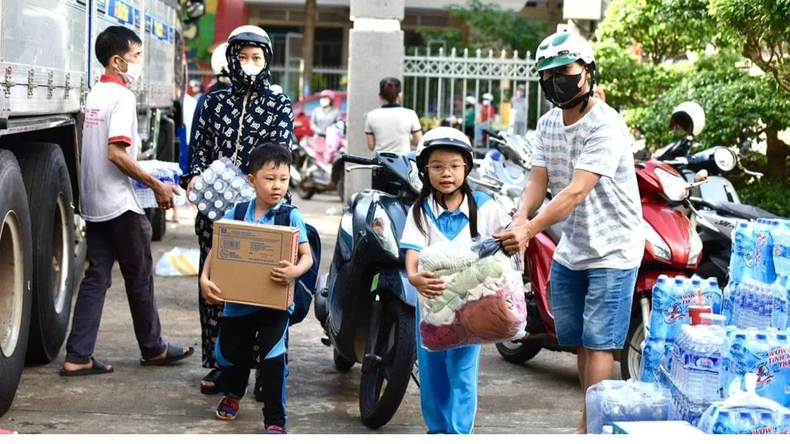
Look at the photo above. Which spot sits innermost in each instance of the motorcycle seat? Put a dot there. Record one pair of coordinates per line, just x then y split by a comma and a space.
742, 211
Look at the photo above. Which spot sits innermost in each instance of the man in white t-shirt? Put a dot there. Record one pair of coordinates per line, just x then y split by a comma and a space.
583, 155
117, 228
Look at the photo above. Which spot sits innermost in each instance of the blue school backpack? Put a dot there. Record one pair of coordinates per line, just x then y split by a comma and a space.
305, 284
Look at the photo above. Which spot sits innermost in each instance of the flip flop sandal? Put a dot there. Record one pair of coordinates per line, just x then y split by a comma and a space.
98, 368
227, 409
214, 376
174, 353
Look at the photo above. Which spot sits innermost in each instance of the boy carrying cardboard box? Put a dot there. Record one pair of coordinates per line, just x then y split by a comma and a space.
252, 314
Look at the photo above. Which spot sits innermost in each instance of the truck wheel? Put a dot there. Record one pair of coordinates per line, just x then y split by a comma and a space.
49, 195
166, 143
158, 223
16, 273
383, 386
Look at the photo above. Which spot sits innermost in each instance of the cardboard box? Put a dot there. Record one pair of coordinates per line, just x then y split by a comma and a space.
244, 255
656, 428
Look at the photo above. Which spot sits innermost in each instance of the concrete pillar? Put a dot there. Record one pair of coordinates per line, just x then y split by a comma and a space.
375, 51
308, 43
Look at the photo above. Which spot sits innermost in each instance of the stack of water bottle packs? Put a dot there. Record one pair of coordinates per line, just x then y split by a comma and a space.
724, 357
612, 401
166, 172
219, 187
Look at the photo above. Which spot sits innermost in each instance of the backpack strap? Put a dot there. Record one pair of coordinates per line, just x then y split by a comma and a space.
283, 215
240, 211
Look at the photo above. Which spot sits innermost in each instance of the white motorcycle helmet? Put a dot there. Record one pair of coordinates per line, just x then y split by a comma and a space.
219, 62
443, 137
690, 117
251, 33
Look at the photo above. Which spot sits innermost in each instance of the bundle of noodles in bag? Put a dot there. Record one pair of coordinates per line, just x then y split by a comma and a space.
483, 301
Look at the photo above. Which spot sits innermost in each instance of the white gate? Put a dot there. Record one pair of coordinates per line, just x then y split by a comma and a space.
436, 86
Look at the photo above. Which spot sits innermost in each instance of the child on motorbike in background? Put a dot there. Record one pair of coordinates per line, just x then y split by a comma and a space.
447, 210
242, 325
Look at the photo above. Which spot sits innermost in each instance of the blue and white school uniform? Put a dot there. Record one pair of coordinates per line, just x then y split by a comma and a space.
448, 379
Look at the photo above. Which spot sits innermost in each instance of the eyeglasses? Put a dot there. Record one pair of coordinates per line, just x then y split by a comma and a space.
438, 168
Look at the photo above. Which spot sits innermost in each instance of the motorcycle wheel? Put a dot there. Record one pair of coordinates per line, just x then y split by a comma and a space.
631, 356
383, 386
708, 269
517, 352
341, 364
304, 193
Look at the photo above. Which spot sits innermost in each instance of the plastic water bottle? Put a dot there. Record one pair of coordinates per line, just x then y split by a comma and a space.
781, 302
712, 294
202, 207
219, 186
208, 195
764, 259
213, 215
218, 167
198, 185
784, 426
193, 197
728, 300
228, 175
723, 424
742, 259
781, 251
209, 176
651, 359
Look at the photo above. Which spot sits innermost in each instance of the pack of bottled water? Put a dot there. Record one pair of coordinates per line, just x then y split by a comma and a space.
611, 401
219, 187
696, 362
681, 408
760, 250
672, 298
166, 172
763, 352
746, 412
753, 304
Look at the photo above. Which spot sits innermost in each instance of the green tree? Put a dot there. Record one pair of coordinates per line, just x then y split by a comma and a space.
663, 29
761, 29
491, 27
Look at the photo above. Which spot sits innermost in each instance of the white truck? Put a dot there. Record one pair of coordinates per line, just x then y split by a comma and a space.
47, 65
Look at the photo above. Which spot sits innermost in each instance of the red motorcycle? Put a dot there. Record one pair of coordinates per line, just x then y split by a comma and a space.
672, 247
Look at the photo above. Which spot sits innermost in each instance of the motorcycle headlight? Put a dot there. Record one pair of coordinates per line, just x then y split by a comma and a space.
660, 247
695, 247
674, 187
725, 159
414, 177
382, 226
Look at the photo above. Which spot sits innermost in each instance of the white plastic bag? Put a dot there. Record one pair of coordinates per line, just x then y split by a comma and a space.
179, 262
483, 301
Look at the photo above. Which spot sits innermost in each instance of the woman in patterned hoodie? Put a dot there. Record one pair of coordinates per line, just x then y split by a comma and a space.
232, 122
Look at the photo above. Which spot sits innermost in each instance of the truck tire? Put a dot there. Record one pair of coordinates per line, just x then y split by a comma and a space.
158, 221
166, 143
16, 273
49, 195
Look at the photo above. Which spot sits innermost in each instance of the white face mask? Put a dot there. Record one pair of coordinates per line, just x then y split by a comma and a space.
132, 74
251, 69
325, 102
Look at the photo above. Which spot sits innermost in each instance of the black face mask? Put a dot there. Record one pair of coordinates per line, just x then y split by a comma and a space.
561, 88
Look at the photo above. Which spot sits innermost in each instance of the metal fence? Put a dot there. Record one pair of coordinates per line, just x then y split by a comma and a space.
436, 85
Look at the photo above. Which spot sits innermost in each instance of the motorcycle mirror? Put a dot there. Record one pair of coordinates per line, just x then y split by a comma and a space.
701, 176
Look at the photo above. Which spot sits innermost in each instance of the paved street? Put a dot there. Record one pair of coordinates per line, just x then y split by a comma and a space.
539, 397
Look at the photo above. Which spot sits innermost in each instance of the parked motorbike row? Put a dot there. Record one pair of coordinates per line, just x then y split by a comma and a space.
367, 307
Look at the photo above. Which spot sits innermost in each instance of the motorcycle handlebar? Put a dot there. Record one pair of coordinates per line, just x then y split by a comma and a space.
359, 160
490, 133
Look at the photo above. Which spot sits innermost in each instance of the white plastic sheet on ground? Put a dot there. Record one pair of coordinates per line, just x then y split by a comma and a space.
179, 262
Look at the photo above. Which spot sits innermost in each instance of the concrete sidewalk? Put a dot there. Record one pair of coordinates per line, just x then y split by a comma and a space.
539, 397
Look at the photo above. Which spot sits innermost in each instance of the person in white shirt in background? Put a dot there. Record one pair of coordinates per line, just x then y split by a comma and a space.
391, 128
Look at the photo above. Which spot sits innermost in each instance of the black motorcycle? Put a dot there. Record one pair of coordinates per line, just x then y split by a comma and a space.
366, 304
